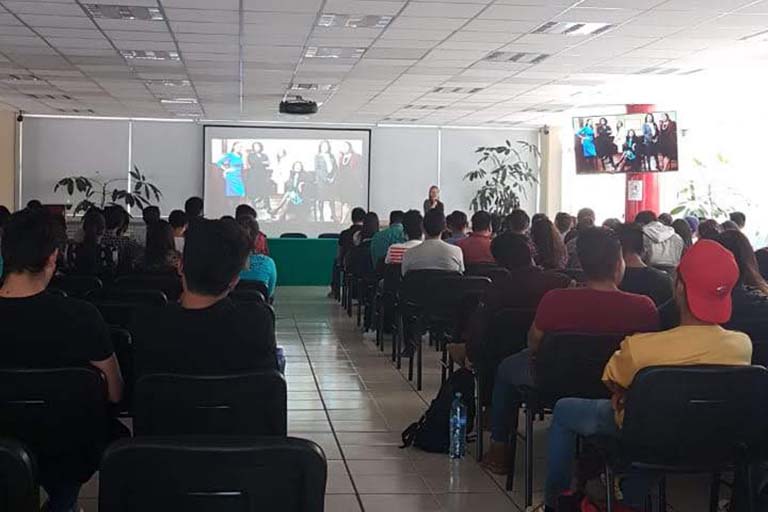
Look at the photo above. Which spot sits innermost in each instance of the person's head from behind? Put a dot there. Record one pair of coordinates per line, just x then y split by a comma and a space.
517, 222
549, 245
245, 210
116, 219
434, 224
600, 255
707, 275
739, 218
94, 226
563, 222
370, 225
585, 218
34, 204
215, 251
30, 244
150, 214
396, 217
744, 254
159, 242
709, 230
631, 238
481, 223
612, 224
5, 214
666, 219
358, 215
457, 222
193, 207
537, 217
412, 224
645, 217
178, 221
683, 229
511, 251
252, 229
693, 223
729, 225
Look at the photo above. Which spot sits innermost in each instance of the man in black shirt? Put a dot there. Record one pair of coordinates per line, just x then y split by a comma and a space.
42, 330
207, 333
345, 244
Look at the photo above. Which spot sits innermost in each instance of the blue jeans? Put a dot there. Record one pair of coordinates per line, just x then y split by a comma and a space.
513, 372
574, 417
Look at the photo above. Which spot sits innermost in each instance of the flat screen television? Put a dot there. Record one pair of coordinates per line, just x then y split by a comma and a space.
626, 143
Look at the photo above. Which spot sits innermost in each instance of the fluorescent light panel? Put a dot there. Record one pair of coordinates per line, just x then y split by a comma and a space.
353, 21
124, 12
328, 52
573, 28
518, 57
150, 55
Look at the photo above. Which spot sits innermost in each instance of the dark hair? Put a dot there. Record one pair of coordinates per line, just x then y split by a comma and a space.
251, 228
537, 217
709, 229
159, 243
481, 221
412, 224
497, 223
632, 238
34, 204
749, 272
94, 226
358, 215
683, 229
177, 219
370, 225
114, 217
563, 222
193, 207
517, 221
150, 214
511, 250
585, 218
612, 224
729, 225
29, 238
396, 217
456, 220
550, 249
215, 252
599, 251
739, 218
645, 217
666, 219
434, 223
245, 210
5, 214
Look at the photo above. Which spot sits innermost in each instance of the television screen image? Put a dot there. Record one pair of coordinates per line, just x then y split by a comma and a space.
626, 143
301, 180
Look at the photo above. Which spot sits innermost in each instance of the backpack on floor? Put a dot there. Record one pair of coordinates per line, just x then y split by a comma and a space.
431, 432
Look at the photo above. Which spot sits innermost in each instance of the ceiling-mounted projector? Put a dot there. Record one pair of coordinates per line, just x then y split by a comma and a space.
298, 106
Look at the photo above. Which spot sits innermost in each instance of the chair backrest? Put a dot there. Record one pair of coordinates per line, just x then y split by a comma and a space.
123, 344
359, 261
696, 413
451, 295
216, 475
393, 277
169, 284
244, 296
76, 286
19, 490
507, 332
415, 287
259, 286
59, 414
490, 270
232, 405
119, 306
572, 364
293, 235
329, 235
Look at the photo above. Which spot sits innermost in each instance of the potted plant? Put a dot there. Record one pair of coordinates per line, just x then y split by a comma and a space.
505, 173
100, 193
709, 196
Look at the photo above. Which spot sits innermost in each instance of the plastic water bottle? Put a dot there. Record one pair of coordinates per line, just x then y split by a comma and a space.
280, 354
458, 442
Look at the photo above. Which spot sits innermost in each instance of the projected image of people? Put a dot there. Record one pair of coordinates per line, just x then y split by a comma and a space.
626, 143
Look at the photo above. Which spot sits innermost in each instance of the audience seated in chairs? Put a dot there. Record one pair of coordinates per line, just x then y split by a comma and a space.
413, 229
706, 277
394, 234
160, 254
598, 308
193, 208
178, 221
518, 222
207, 333
43, 330
476, 247
550, 250
585, 219
128, 251
91, 258
260, 244
563, 223
663, 246
260, 267
456, 221
433, 253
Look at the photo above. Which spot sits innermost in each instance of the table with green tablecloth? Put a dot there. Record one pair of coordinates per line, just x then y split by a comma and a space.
303, 261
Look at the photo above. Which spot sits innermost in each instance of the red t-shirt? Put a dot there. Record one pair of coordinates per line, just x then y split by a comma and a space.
476, 249
590, 311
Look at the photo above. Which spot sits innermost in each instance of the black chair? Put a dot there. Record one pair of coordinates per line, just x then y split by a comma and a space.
227, 405
293, 235
19, 491
169, 284
216, 475
694, 419
120, 306
490, 270
76, 286
329, 235
123, 345
61, 417
245, 295
387, 304
259, 286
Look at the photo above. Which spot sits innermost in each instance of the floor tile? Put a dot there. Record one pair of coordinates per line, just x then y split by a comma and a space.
399, 503
391, 484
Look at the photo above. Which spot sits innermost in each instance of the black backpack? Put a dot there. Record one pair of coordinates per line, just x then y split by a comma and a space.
431, 432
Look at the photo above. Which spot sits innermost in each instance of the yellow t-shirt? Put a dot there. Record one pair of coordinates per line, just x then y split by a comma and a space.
685, 345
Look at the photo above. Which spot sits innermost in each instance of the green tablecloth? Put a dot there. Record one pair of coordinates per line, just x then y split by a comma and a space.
303, 261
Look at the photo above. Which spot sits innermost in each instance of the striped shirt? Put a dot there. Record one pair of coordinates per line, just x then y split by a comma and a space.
396, 251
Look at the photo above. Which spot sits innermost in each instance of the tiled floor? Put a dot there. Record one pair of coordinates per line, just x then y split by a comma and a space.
347, 397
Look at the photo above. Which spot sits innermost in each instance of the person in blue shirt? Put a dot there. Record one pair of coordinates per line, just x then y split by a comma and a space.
587, 137
382, 240
260, 267
231, 165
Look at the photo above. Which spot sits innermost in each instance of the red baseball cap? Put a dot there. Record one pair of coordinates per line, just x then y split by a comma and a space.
710, 273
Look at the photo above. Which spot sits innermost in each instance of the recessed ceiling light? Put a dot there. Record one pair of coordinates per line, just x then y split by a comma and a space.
328, 52
573, 28
312, 87
353, 21
150, 55
46, 97
124, 12
518, 57
20, 77
457, 90
401, 119
76, 110
425, 107
168, 83
179, 101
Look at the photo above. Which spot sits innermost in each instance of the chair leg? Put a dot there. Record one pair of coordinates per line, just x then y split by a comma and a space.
609, 487
443, 363
410, 360
663, 494
529, 416
479, 417
714, 492
750, 488
400, 341
514, 421
419, 366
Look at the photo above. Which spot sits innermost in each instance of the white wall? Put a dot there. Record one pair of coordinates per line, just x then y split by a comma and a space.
405, 161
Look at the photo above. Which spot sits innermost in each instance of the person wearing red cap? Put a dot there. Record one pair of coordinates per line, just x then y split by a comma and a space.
706, 277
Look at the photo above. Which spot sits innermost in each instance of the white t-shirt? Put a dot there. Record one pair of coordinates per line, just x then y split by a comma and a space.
434, 255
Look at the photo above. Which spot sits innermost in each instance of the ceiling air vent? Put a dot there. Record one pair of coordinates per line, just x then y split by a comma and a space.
124, 12
457, 90
353, 21
517, 57
573, 28
150, 55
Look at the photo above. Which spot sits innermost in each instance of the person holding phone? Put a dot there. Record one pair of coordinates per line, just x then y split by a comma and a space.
433, 201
